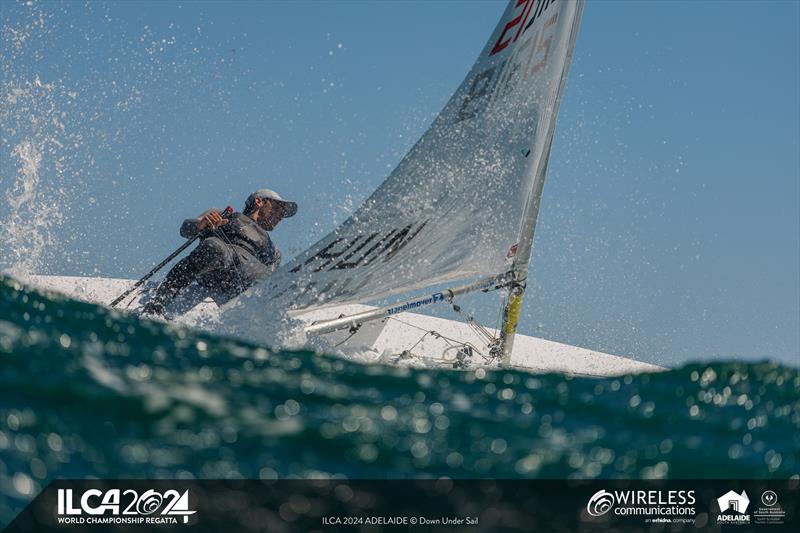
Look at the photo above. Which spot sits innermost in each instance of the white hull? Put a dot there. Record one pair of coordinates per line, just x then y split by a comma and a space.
405, 338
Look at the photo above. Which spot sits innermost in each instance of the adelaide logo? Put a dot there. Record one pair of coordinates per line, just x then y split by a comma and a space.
735, 502
600, 503
733, 508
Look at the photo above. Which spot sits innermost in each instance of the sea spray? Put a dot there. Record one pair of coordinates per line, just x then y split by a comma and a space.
32, 212
40, 153
267, 324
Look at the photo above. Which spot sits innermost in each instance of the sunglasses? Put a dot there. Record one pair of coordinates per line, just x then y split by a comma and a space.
276, 205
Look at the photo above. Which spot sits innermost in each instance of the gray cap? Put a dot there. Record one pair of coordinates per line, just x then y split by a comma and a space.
290, 208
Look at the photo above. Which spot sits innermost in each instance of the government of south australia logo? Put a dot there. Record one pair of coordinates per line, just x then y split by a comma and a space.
769, 498
600, 503
770, 511
733, 508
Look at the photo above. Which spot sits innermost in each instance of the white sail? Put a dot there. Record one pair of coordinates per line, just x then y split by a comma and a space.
465, 197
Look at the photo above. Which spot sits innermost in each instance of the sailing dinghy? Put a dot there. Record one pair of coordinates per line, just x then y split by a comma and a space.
458, 212
405, 338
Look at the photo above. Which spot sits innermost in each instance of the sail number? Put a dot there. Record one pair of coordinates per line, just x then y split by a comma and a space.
528, 7
342, 253
529, 57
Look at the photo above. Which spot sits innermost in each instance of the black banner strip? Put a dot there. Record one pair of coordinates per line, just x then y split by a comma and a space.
464, 506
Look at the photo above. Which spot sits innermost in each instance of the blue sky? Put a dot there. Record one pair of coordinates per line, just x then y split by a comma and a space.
669, 227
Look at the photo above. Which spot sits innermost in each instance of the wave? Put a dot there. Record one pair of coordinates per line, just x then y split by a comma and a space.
90, 392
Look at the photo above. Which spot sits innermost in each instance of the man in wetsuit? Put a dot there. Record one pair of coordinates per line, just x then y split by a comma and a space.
234, 252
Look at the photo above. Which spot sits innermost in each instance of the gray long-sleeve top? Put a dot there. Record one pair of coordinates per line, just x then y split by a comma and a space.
243, 233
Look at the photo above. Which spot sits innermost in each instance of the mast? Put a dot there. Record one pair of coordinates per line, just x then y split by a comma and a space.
519, 268
521, 263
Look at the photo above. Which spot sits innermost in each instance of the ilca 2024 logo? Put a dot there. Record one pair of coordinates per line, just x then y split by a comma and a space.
116, 506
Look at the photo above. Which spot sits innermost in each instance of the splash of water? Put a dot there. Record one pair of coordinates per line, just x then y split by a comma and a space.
25, 233
37, 146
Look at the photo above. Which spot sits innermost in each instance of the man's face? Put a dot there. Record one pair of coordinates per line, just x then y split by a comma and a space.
269, 213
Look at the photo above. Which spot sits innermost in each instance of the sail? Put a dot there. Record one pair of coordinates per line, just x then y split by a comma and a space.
465, 197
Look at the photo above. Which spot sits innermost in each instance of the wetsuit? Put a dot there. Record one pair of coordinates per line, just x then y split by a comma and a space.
226, 262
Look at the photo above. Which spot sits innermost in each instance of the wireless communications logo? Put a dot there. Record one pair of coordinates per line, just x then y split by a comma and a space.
600, 503
116, 506
655, 506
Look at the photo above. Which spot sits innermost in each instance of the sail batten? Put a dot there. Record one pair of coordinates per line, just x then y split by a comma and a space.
463, 202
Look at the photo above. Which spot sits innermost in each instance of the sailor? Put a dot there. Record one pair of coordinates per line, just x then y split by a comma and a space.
234, 252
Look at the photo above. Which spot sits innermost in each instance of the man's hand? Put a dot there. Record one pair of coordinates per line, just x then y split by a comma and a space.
211, 220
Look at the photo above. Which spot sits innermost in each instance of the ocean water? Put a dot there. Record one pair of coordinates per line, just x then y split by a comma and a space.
89, 392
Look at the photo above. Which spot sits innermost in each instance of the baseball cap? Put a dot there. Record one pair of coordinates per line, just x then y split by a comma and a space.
290, 208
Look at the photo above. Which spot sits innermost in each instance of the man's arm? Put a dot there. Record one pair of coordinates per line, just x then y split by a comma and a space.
208, 218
